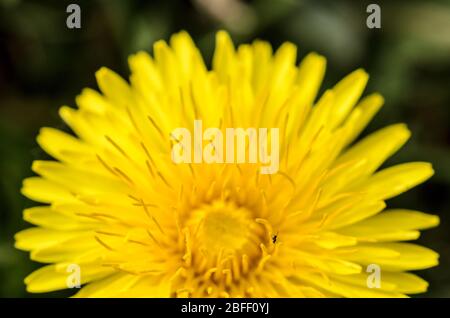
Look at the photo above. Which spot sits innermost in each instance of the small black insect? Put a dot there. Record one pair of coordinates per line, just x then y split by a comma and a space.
274, 238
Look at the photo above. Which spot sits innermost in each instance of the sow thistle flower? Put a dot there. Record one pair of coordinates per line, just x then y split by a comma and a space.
139, 225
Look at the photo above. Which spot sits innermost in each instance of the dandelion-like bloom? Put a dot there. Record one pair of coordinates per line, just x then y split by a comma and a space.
139, 225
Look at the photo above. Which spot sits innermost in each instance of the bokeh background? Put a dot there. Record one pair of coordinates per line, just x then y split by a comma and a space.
44, 65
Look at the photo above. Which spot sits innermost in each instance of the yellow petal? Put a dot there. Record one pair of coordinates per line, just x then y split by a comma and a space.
310, 75
392, 181
57, 276
114, 87
83, 247
361, 116
92, 101
353, 214
392, 256
189, 57
36, 237
45, 191
46, 279
79, 181
405, 282
283, 66
167, 65
144, 74
391, 225
75, 120
345, 289
124, 285
330, 240
376, 147
62, 146
148, 287
262, 64
48, 217
347, 93
389, 281
328, 263
224, 56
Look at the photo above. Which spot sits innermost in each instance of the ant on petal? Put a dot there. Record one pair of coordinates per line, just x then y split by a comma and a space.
274, 238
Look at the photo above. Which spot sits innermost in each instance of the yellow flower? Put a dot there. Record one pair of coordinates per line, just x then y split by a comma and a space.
139, 225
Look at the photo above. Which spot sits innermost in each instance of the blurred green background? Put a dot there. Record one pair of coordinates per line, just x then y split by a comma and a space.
44, 65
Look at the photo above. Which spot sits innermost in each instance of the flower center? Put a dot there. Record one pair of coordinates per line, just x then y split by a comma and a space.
225, 244
221, 227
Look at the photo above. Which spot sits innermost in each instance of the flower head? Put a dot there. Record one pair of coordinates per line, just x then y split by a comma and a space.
140, 225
